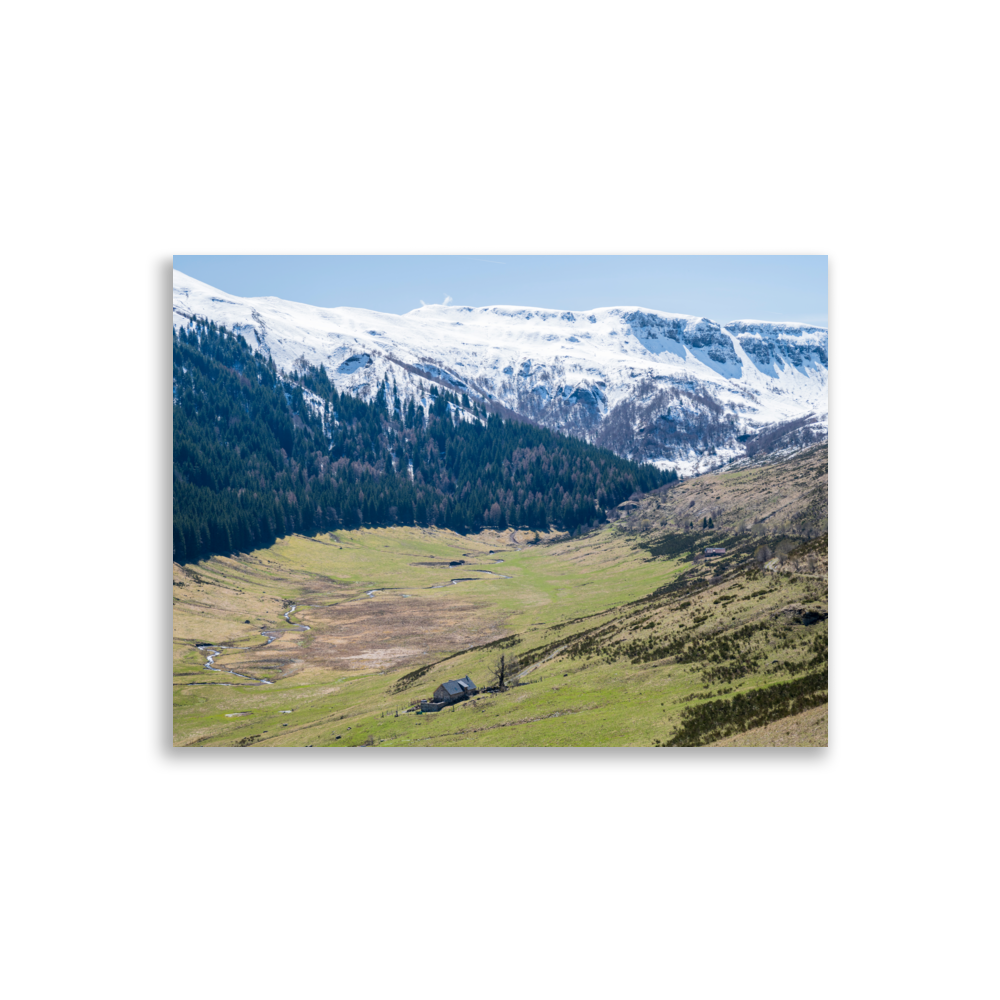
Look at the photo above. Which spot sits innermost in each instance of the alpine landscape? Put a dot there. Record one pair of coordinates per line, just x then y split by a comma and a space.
496, 526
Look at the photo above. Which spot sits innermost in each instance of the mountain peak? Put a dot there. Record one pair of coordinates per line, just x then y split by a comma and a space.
683, 391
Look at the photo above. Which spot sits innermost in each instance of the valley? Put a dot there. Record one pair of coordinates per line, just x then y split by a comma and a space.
626, 633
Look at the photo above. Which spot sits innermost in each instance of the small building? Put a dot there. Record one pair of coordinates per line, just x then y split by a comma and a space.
449, 693
715, 552
452, 691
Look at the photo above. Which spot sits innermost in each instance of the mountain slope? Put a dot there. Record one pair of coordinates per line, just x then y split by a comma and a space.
681, 391
258, 455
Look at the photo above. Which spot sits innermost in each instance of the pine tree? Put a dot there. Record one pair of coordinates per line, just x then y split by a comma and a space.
252, 460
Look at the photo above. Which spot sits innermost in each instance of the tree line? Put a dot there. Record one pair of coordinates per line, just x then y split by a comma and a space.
259, 453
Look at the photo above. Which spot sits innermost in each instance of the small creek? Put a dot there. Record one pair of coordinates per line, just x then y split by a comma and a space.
291, 611
271, 634
217, 651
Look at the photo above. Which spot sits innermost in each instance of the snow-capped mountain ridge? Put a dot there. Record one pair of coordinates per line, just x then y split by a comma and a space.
676, 389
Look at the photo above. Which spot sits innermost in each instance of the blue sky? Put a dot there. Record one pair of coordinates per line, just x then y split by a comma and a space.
723, 288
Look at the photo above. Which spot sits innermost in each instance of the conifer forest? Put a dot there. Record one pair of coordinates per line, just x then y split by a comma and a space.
260, 453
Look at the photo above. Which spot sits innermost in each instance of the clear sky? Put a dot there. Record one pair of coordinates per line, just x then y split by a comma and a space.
723, 288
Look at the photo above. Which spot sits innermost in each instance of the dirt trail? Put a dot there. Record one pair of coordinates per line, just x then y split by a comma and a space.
534, 666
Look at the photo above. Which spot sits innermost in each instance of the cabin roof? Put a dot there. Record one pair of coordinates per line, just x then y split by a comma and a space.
462, 686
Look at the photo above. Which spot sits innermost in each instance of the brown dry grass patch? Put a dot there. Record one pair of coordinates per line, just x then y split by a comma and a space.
810, 729
381, 634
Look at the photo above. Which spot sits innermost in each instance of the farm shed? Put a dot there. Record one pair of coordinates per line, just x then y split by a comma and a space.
715, 552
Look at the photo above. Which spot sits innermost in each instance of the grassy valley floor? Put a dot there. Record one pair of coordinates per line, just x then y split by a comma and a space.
626, 636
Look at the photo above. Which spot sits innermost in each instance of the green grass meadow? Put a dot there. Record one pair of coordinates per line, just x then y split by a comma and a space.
602, 593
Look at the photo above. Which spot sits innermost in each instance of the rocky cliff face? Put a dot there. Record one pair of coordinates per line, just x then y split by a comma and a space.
660, 333
767, 344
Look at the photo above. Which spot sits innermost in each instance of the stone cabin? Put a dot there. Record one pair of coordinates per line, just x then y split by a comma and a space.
449, 693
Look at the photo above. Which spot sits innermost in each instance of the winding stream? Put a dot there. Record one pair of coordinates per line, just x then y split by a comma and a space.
217, 651
271, 634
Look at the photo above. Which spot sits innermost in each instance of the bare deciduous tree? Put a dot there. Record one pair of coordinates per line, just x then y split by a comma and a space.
504, 672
